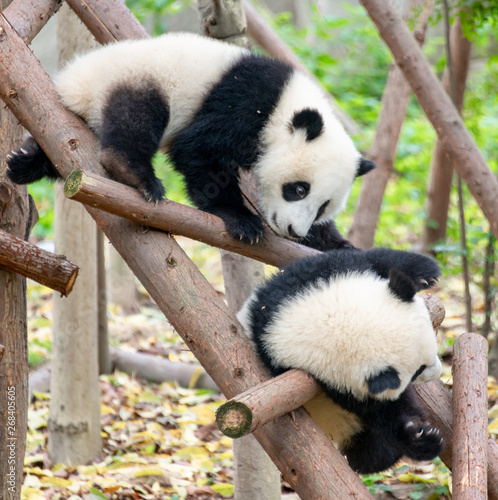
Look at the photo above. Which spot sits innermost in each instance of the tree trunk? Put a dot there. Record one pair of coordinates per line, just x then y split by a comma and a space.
103, 331
437, 105
14, 369
255, 475
74, 423
383, 151
121, 286
439, 190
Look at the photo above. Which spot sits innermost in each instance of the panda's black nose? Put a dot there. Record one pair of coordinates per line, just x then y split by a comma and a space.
291, 232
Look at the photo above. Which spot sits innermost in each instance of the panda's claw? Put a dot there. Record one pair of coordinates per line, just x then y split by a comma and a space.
9, 157
23, 151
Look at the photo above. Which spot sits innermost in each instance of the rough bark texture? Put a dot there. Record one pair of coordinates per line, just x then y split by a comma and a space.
175, 218
14, 219
49, 269
438, 107
439, 190
255, 475
437, 398
28, 17
383, 151
94, 14
313, 467
267, 38
74, 423
470, 417
265, 402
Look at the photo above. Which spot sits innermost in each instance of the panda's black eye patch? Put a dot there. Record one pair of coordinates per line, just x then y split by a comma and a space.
321, 210
418, 372
295, 191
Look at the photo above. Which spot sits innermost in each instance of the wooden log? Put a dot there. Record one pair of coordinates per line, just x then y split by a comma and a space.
266, 402
46, 268
437, 105
122, 26
28, 17
267, 38
176, 218
280, 395
313, 467
470, 417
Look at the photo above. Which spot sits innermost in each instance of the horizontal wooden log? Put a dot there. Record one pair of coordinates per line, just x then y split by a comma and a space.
280, 395
28, 17
158, 370
46, 268
470, 417
176, 218
265, 402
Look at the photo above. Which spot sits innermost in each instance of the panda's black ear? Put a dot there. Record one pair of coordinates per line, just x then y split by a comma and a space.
310, 120
402, 286
386, 379
364, 167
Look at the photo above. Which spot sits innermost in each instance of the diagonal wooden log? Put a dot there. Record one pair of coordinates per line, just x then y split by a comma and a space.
313, 467
49, 269
175, 218
437, 105
28, 17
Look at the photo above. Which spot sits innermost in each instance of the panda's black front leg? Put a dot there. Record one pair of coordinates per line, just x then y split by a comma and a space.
325, 237
218, 193
423, 270
133, 122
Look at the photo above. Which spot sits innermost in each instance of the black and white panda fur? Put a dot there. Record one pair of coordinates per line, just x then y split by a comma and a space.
352, 320
214, 108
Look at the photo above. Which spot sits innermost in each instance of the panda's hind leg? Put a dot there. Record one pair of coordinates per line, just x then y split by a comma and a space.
133, 122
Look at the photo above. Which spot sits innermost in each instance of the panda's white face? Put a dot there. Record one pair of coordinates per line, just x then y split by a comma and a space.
308, 163
364, 331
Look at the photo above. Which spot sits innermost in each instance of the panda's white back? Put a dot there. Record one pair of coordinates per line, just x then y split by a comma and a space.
185, 65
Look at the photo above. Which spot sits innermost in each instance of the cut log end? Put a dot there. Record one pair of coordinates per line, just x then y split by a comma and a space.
234, 419
70, 283
73, 183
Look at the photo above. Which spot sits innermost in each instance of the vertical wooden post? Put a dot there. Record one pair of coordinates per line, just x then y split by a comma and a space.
14, 370
470, 417
74, 423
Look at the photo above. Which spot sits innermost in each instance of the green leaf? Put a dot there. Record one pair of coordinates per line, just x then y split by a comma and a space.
97, 494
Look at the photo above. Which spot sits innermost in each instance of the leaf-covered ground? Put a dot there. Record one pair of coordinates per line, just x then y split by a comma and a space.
161, 442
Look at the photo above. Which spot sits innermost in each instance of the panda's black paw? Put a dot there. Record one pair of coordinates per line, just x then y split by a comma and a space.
247, 228
154, 191
422, 442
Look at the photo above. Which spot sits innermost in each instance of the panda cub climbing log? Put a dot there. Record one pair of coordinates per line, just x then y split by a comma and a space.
214, 108
352, 320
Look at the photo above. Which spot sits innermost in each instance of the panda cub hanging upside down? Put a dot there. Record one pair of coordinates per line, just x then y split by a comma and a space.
352, 320
214, 108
